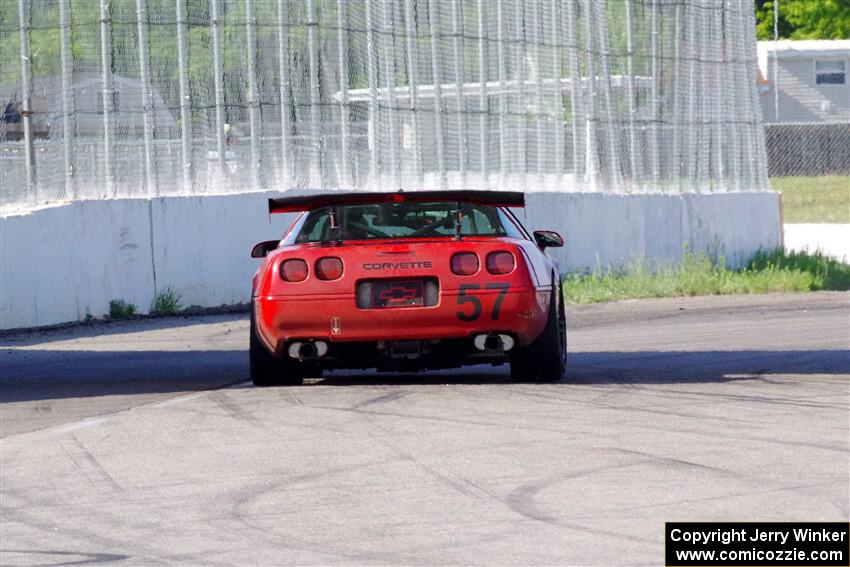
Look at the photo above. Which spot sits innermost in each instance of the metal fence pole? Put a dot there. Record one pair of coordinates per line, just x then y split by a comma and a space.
147, 106
68, 121
690, 129
483, 102
106, 84
413, 75
315, 98
26, 96
504, 166
522, 107
433, 14
592, 166
731, 104
253, 94
389, 81
675, 162
614, 174
372, 78
344, 122
218, 77
538, 87
558, 111
185, 94
458, 56
285, 93
653, 129
576, 91
759, 157
717, 95
630, 93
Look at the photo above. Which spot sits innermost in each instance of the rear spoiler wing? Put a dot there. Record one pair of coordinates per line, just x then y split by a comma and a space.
310, 202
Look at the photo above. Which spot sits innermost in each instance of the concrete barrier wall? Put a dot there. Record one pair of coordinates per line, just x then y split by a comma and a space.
59, 264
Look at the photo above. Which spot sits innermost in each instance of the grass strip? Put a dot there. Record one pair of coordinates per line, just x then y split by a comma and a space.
698, 274
824, 199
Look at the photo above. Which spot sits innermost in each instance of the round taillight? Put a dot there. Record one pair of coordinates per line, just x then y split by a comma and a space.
465, 263
329, 268
293, 270
500, 262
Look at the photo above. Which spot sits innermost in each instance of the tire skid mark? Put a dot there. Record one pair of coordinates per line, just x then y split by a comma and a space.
382, 399
517, 505
19, 515
808, 444
672, 461
447, 420
89, 466
608, 512
281, 536
522, 501
233, 409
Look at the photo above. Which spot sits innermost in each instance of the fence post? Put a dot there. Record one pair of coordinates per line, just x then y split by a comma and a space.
458, 56
483, 102
558, 112
185, 94
68, 121
253, 110
106, 94
615, 177
433, 14
344, 126
576, 89
317, 159
504, 165
389, 80
592, 166
150, 171
521, 122
653, 130
675, 162
285, 93
26, 102
630, 93
218, 77
412, 63
538, 88
372, 78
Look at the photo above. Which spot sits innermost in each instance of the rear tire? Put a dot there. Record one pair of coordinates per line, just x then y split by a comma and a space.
544, 360
265, 369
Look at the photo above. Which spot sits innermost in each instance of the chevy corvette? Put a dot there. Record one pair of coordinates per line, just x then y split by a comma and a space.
406, 281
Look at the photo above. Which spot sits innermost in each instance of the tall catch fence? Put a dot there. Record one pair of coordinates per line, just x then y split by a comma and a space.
140, 98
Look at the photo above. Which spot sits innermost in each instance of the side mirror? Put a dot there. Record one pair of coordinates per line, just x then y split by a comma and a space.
262, 249
548, 239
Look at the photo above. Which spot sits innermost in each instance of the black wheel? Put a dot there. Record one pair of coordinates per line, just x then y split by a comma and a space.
265, 369
544, 360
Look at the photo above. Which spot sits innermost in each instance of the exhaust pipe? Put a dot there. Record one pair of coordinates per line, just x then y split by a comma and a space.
308, 350
494, 343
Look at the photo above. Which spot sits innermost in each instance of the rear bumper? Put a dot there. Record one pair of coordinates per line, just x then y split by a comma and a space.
520, 312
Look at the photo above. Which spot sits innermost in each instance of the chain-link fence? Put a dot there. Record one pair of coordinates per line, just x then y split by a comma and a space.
808, 149
127, 98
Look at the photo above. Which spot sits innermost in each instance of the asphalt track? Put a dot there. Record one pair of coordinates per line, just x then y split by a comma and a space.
141, 444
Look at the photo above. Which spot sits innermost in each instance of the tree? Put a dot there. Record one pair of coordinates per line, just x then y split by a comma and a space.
804, 19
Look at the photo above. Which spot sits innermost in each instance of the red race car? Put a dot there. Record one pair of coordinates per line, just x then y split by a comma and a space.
406, 281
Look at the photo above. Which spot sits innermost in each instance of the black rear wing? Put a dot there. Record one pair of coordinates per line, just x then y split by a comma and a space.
310, 202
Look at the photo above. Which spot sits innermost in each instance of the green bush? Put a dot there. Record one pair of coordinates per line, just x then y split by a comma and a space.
120, 309
167, 302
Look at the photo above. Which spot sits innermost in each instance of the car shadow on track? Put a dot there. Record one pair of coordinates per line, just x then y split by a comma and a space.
27, 375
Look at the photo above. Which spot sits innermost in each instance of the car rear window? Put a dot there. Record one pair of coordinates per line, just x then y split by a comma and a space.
402, 220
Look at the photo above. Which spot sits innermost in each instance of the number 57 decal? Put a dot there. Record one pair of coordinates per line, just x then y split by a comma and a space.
465, 297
